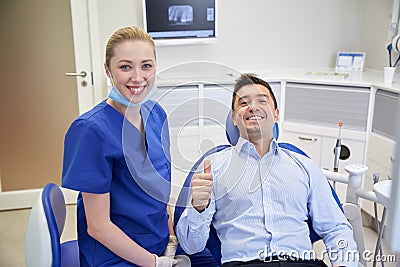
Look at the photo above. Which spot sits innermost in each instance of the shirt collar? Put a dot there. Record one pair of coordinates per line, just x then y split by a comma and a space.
244, 145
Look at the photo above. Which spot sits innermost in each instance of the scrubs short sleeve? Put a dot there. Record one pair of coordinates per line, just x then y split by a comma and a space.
87, 165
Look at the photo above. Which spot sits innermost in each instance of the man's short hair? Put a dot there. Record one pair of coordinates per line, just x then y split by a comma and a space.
246, 79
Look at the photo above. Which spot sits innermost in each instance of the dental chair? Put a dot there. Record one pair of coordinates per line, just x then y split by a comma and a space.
211, 255
45, 226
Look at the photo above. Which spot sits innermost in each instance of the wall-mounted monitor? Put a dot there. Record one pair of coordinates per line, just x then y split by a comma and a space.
180, 22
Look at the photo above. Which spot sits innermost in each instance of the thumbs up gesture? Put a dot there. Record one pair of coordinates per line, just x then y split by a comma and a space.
202, 187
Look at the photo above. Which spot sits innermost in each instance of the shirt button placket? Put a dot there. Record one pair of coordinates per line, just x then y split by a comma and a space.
265, 191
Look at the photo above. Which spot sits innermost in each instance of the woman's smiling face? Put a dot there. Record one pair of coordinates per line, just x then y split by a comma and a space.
133, 69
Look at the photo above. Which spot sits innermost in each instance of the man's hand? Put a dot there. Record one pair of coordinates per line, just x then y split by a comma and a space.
202, 187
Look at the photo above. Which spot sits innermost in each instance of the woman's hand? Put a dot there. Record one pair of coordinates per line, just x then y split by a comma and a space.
164, 261
171, 247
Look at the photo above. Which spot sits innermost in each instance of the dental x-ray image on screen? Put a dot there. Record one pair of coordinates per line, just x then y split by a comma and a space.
180, 15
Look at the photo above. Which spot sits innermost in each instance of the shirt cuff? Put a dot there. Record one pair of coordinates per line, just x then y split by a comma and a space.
198, 219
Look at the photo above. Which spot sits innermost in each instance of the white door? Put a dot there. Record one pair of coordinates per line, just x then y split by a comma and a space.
41, 40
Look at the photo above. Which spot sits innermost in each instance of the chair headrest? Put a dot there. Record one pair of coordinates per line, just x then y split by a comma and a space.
232, 131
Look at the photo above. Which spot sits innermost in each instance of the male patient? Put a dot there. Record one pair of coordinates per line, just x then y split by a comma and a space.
259, 196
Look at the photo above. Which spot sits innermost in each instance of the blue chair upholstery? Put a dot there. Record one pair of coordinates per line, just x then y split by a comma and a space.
45, 226
213, 245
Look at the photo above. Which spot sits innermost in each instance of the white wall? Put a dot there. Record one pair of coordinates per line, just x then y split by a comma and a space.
260, 34
374, 33
269, 34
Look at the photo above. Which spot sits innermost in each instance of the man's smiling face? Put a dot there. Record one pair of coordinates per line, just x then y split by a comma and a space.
254, 111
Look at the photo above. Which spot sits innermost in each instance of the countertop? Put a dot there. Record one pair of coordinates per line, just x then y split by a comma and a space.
366, 78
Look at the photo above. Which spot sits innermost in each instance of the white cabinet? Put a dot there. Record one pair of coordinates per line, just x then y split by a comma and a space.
354, 152
380, 159
320, 148
181, 104
327, 105
356, 149
309, 143
310, 121
381, 143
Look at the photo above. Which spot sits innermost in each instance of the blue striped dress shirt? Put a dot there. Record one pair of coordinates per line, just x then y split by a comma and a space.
260, 207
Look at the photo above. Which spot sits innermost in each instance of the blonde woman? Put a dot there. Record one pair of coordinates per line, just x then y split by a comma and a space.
117, 156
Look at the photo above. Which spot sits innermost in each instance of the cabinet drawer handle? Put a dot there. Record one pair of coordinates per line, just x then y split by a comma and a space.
391, 159
389, 177
309, 139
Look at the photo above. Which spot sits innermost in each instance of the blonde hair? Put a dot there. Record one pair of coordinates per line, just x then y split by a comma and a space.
124, 34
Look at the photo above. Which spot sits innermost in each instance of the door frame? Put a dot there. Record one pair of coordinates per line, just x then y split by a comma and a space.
83, 52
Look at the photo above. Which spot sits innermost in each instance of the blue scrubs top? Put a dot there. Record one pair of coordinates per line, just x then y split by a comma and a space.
104, 153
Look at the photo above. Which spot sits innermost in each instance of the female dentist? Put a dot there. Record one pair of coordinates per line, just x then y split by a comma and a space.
117, 156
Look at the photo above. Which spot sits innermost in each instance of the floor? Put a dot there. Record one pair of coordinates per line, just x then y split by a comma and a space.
12, 235
13, 225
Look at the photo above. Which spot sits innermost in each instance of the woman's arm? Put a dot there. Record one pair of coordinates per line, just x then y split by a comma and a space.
173, 241
100, 227
170, 223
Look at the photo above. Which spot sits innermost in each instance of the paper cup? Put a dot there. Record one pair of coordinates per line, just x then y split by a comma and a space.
388, 74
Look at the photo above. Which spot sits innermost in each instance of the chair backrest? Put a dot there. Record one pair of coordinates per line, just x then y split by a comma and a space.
45, 226
232, 134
